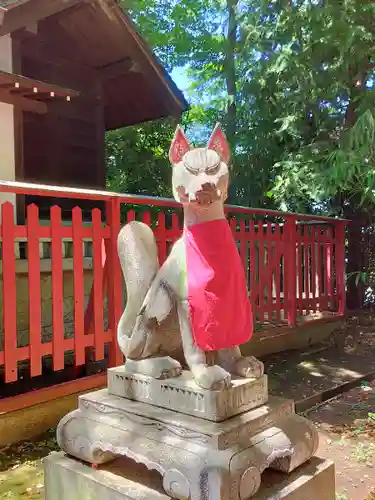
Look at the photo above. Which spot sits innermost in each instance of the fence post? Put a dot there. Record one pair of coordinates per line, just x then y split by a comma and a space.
114, 279
340, 265
290, 256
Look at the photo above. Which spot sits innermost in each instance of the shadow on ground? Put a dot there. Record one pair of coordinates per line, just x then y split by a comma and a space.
347, 436
303, 374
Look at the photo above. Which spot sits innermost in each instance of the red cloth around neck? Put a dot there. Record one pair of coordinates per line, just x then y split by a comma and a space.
219, 306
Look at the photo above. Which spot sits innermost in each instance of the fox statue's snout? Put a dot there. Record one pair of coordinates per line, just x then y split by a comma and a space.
204, 192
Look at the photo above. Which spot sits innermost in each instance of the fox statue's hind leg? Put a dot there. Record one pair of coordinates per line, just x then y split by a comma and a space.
232, 360
148, 304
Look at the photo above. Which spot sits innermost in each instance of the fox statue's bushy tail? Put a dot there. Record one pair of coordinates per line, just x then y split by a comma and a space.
146, 299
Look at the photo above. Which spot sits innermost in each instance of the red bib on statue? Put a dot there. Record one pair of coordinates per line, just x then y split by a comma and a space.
219, 306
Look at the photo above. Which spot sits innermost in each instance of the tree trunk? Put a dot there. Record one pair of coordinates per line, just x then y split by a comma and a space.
356, 258
230, 72
230, 80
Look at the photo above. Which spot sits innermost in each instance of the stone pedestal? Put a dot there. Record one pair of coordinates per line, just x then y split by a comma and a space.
184, 434
181, 394
69, 479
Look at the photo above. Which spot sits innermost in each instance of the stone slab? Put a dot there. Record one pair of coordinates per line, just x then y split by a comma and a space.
183, 395
70, 479
158, 423
314, 480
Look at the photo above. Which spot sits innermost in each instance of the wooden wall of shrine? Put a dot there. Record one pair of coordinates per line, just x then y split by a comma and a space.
91, 50
64, 146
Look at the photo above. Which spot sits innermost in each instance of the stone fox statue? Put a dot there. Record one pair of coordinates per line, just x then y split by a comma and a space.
202, 278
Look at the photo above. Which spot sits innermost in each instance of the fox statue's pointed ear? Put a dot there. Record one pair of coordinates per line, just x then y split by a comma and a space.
219, 143
180, 145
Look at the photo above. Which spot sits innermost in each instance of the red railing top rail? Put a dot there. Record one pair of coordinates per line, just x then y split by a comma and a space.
25, 188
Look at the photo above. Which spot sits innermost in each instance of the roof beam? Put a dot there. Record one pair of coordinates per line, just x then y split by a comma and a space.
25, 14
113, 70
30, 95
3, 11
19, 83
32, 28
25, 104
26, 32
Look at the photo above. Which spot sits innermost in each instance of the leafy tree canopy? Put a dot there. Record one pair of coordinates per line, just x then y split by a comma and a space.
292, 82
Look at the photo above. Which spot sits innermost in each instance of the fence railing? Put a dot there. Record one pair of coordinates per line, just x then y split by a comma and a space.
293, 264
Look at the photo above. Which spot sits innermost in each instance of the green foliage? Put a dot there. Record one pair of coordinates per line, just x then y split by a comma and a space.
315, 71
302, 122
137, 159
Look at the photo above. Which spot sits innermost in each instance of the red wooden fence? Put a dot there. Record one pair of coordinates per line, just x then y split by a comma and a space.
293, 266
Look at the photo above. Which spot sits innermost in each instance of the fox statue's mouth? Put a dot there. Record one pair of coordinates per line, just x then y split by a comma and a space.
207, 194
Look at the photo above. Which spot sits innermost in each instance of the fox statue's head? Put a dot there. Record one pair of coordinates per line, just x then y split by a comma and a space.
200, 175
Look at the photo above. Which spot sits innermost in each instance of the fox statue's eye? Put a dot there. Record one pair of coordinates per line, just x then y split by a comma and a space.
192, 170
213, 169
201, 160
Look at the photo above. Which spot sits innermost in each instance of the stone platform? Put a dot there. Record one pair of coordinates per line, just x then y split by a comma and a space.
159, 424
70, 479
183, 395
197, 459
198, 444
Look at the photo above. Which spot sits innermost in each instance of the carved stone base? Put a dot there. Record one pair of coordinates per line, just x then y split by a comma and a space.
69, 479
183, 395
197, 459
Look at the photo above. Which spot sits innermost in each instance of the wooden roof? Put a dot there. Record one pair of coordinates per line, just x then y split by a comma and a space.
98, 34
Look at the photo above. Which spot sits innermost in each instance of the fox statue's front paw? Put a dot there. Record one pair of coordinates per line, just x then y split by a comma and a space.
248, 367
213, 378
160, 368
